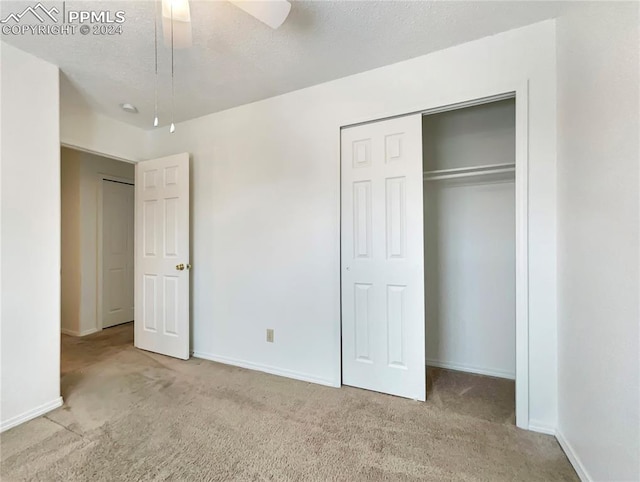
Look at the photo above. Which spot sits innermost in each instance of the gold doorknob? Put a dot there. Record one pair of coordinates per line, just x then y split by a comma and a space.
180, 267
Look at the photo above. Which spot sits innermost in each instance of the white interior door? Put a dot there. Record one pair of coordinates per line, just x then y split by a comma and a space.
162, 256
383, 343
117, 253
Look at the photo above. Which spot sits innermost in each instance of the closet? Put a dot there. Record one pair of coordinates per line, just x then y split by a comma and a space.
428, 248
469, 238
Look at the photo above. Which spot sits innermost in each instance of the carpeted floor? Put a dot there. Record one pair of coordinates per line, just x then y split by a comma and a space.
133, 415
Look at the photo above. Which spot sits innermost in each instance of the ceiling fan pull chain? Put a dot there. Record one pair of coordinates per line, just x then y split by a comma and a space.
172, 129
155, 48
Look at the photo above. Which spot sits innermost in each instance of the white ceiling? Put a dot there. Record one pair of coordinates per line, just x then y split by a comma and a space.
236, 60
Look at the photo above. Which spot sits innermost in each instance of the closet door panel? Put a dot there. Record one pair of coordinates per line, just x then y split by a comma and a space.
383, 258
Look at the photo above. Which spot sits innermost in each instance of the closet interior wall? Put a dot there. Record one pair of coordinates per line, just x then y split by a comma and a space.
469, 209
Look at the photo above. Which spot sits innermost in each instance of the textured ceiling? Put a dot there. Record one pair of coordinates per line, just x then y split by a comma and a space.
235, 59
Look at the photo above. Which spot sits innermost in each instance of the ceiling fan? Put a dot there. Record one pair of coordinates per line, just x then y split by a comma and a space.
270, 12
176, 28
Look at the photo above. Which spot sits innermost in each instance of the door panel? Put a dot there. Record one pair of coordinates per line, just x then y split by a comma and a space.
162, 262
383, 345
117, 253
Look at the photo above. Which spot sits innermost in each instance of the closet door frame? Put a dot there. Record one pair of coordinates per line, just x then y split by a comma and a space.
477, 96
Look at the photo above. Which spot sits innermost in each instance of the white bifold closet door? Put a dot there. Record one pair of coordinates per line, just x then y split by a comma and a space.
382, 259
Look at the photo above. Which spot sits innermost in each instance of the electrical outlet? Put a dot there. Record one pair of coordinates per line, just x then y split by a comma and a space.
270, 335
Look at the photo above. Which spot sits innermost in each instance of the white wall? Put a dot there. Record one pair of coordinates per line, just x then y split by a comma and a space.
82, 296
30, 227
470, 275
86, 130
598, 259
265, 221
470, 241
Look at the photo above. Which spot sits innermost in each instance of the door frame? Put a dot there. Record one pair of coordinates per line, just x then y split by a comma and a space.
518, 90
100, 178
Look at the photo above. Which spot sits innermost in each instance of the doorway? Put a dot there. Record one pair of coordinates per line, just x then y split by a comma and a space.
108, 226
96, 259
115, 237
433, 243
96, 193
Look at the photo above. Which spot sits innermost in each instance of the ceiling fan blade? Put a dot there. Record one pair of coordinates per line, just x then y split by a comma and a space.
271, 12
181, 23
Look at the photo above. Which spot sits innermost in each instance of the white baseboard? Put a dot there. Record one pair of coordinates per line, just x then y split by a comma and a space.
536, 426
573, 458
266, 369
90, 331
30, 414
470, 369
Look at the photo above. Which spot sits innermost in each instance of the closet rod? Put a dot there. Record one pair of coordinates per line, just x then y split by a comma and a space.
468, 171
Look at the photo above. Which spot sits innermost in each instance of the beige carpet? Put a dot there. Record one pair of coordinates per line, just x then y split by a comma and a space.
132, 415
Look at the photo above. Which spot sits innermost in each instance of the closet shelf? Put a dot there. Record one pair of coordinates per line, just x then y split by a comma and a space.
468, 171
